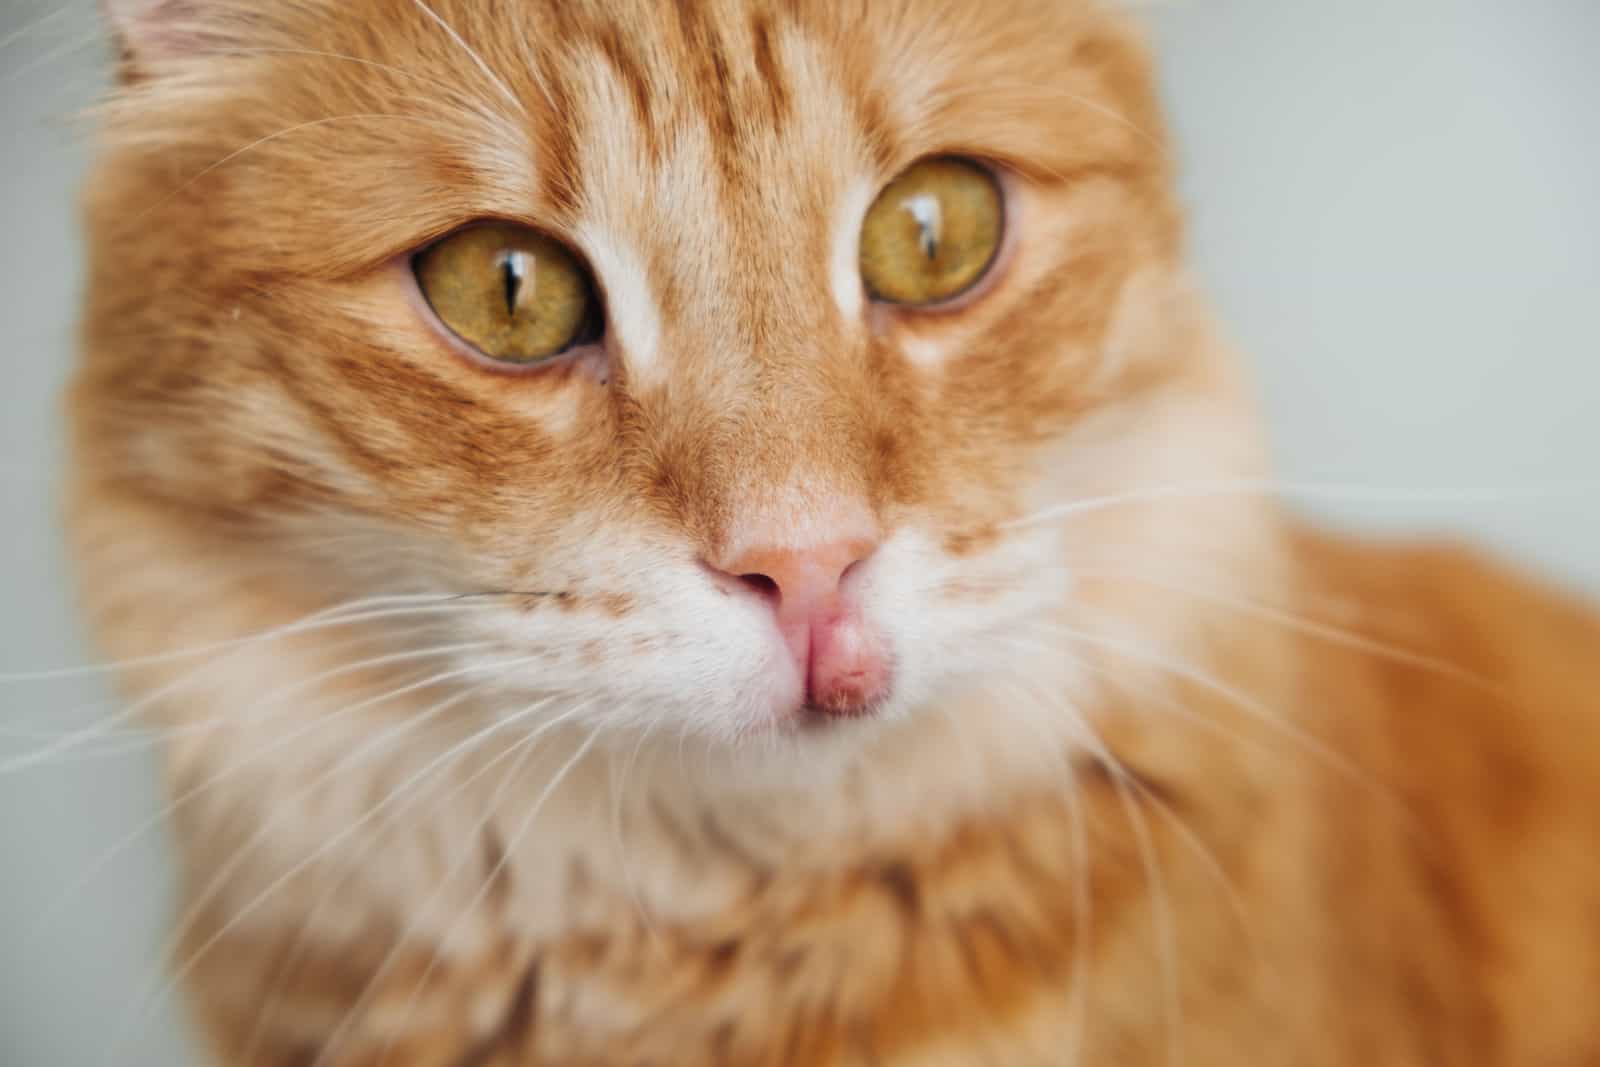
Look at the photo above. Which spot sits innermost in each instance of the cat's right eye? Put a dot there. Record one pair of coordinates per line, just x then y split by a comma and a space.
516, 295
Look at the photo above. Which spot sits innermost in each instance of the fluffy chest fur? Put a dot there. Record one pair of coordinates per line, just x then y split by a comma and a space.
788, 669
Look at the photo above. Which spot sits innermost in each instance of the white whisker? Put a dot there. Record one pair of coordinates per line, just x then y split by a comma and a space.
344, 763
1162, 918
299, 685
115, 736
261, 897
269, 138
1082, 912
413, 787
467, 909
1323, 631
310, 622
472, 53
1234, 695
628, 881
27, 29
1249, 487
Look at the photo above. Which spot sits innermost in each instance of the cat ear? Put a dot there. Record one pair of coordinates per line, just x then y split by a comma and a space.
153, 31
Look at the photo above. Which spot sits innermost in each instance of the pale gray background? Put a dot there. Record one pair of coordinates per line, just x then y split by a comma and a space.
1394, 207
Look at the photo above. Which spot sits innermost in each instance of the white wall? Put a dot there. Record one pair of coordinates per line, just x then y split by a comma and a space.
1395, 209
77, 935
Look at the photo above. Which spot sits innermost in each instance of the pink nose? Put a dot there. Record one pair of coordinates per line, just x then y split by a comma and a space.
843, 663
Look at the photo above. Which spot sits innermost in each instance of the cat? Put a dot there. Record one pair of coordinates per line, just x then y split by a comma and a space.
722, 533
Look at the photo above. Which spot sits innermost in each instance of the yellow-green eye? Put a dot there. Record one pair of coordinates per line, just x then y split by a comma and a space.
932, 232
514, 294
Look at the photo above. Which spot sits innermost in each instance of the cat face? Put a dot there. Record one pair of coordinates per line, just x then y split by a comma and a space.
753, 497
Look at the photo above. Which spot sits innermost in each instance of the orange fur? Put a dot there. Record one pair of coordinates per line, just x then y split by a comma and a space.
1166, 778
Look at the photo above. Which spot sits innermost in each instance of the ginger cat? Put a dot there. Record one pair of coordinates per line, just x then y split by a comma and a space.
720, 533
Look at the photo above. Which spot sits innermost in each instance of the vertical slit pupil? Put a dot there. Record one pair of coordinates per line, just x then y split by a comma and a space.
513, 276
928, 213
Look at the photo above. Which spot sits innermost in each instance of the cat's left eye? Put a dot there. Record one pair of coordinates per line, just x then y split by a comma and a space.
516, 295
933, 233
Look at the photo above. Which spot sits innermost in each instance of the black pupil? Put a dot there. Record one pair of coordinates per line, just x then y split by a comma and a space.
513, 275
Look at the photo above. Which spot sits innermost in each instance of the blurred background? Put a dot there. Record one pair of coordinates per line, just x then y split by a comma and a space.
1394, 206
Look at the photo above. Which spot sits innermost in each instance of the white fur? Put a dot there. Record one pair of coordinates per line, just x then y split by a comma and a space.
844, 270
630, 307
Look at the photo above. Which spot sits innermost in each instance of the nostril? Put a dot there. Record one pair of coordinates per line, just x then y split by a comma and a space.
733, 581
762, 584
796, 580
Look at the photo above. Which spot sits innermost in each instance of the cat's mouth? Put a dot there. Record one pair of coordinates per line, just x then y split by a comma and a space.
816, 716
845, 684
840, 673
848, 674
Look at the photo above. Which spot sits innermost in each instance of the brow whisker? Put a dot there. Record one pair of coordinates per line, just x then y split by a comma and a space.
267, 139
473, 54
